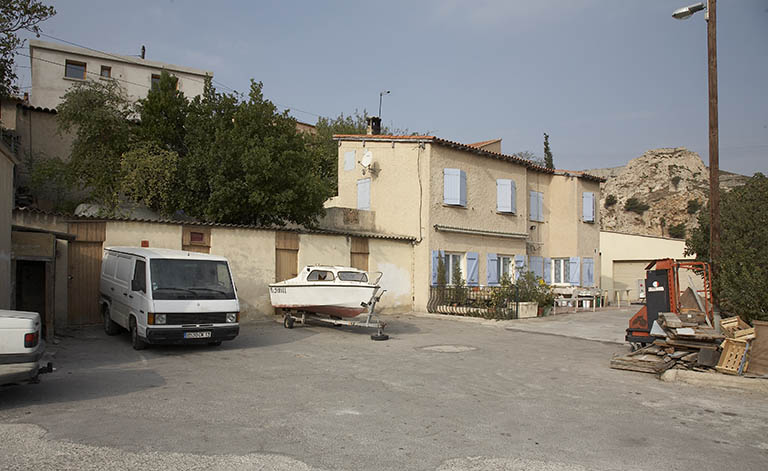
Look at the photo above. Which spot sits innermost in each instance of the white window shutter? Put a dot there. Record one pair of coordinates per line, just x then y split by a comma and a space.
462, 188
364, 194
451, 186
504, 195
588, 206
349, 160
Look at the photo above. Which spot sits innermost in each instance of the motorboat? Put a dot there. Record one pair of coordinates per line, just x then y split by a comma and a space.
334, 291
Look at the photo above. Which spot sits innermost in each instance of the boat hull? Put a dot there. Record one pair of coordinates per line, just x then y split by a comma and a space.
331, 299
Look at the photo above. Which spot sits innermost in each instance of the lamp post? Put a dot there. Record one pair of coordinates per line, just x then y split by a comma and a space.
714, 170
381, 95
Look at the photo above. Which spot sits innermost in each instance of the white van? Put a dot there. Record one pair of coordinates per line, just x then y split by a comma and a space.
168, 296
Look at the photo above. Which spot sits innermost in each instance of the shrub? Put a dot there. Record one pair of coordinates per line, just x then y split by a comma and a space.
610, 200
677, 231
693, 206
636, 206
675, 180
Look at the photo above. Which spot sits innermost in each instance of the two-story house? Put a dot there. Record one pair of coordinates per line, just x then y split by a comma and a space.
489, 212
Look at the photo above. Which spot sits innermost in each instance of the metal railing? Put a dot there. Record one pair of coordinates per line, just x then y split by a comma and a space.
474, 301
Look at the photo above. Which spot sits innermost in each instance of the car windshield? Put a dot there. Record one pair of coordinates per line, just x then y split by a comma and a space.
353, 276
190, 279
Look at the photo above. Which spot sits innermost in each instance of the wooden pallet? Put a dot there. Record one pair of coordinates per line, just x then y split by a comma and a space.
730, 325
731, 358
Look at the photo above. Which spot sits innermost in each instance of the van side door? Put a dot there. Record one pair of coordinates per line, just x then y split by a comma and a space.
139, 298
120, 300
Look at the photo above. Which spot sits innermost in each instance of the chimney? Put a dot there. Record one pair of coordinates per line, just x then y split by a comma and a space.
143, 51
374, 125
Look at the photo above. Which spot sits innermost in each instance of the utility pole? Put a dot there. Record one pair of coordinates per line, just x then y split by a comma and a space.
714, 155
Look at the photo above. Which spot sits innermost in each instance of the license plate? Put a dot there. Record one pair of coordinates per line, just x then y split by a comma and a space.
197, 335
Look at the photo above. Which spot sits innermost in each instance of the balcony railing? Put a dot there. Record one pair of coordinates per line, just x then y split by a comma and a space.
473, 301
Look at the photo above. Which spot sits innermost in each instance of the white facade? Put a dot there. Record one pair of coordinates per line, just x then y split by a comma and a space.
55, 67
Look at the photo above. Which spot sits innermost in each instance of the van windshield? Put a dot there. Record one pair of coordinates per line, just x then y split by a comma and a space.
190, 279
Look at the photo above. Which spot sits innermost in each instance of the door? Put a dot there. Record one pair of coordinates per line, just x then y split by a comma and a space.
286, 255
358, 257
84, 272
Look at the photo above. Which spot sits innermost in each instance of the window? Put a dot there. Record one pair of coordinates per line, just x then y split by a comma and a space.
320, 275
124, 266
140, 275
507, 266
74, 70
561, 268
155, 81
452, 260
106, 71
454, 187
536, 206
110, 265
364, 194
189, 278
196, 237
588, 206
353, 276
506, 196
589, 272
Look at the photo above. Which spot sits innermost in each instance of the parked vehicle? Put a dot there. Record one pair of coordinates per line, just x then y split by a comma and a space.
168, 296
21, 347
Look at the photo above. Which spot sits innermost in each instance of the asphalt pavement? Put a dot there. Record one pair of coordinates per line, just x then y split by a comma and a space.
441, 394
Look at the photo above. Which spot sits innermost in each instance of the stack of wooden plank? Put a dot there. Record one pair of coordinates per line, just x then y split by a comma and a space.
736, 355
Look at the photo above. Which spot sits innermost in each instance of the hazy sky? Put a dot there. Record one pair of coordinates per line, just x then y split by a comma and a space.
607, 79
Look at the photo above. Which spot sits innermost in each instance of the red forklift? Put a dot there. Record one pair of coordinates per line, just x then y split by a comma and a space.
662, 294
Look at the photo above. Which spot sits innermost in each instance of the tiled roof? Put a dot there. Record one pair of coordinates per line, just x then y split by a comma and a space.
485, 143
467, 147
298, 229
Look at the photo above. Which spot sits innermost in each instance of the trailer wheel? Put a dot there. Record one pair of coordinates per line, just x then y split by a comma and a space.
288, 321
379, 337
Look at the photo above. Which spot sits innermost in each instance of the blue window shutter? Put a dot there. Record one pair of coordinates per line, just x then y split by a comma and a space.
349, 160
503, 195
574, 270
451, 186
534, 206
492, 269
589, 272
588, 206
435, 255
548, 270
513, 196
364, 194
462, 188
472, 268
540, 210
537, 266
519, 265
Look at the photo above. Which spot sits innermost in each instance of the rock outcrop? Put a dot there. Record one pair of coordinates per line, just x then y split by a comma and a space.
666, 180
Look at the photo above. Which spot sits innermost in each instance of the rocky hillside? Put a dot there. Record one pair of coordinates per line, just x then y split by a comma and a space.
672, 182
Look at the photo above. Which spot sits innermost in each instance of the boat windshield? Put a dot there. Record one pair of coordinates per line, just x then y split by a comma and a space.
190, 279
353, 276
320, 275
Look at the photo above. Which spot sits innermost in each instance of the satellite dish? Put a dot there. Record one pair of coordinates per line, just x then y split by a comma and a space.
367, 159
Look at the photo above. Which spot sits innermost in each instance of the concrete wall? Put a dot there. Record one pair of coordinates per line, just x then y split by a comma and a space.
39, 134
130, 234
49, 83
319, 249
394, 259
615, 247
6, 210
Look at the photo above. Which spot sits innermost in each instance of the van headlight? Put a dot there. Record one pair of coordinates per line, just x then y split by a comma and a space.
232, 317
159, 318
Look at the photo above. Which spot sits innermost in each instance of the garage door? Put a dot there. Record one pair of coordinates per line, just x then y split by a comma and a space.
625, 276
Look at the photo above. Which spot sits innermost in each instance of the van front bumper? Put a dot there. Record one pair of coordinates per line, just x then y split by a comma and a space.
171, 335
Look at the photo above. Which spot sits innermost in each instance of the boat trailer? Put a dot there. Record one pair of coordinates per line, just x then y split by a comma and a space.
290, 317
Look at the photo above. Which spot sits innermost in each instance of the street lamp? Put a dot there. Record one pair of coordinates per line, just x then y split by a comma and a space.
714, 171
381, 95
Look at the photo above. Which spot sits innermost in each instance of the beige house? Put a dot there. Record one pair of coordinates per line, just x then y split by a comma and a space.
55, 67
7, 163
491, 213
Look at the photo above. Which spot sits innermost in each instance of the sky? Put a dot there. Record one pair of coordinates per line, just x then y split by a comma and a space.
606, 79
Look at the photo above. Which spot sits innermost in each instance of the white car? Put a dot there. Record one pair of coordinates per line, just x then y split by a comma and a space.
168, 296
21, 348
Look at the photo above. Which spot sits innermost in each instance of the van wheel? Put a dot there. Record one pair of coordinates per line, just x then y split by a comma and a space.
136, 341
110, 327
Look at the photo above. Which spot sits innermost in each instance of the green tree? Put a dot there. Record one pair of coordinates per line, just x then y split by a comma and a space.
530, 156
548, 160
635, 205
441, 272
610, 200
693, 206
677, 231
148, 176
163, 114
741, 282
17, 15
98, 113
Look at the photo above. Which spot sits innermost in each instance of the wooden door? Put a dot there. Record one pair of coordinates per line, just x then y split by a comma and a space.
84, 272
286, 255
358, 256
